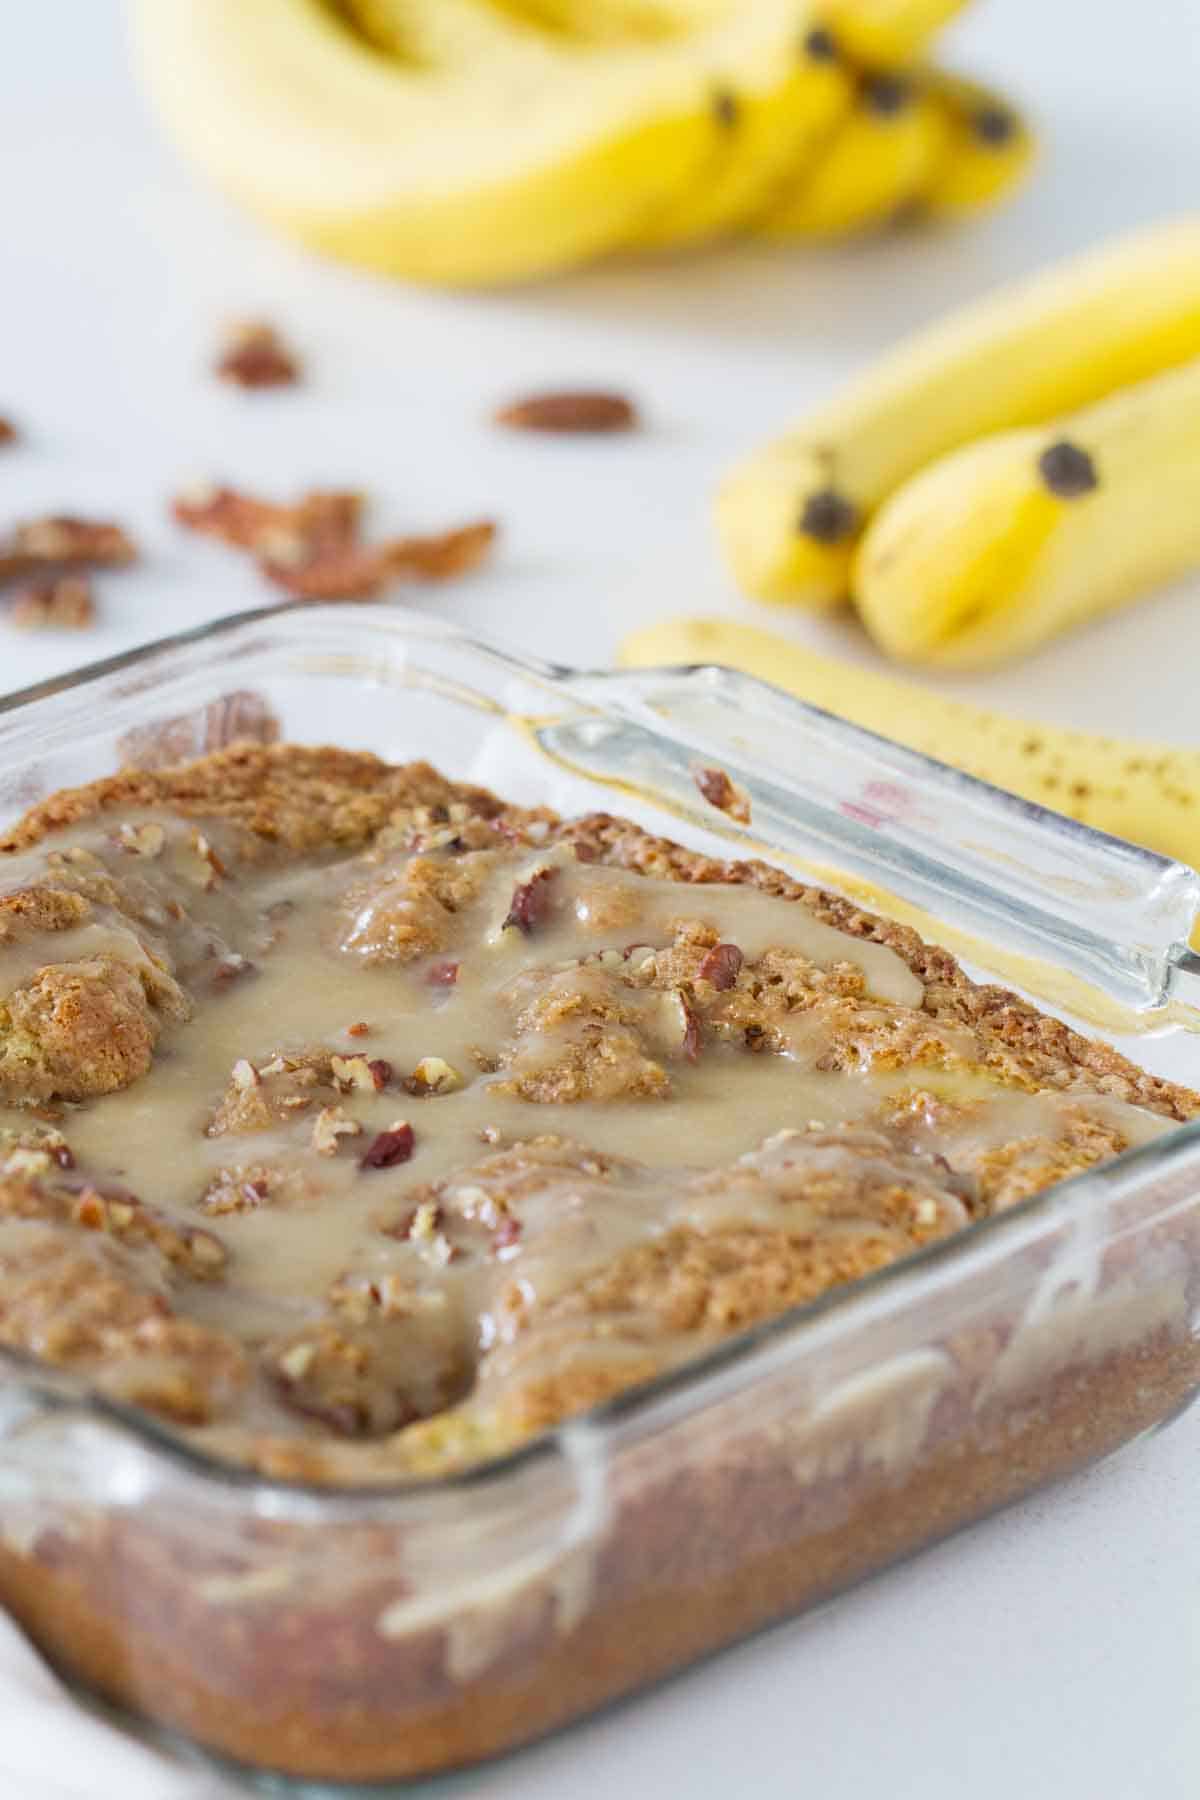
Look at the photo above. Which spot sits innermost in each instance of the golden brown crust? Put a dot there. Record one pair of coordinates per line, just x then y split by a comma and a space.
75, 1030
305, 799
313, 798
1022, 1044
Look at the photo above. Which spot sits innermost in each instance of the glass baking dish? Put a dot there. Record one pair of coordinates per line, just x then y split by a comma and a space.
333, 1637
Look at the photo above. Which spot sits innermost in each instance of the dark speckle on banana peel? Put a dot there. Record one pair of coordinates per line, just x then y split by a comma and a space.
828, 517
1068, 470
820, 45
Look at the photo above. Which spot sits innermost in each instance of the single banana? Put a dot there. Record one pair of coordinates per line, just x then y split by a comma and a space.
989, 148
876, 162
790, 516
883, 33
454, 140
1148, 793
999, 546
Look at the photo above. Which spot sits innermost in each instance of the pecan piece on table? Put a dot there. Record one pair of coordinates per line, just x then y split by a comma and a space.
63, 603
253, 355
581, 410
323, 519
361, 572
52, 545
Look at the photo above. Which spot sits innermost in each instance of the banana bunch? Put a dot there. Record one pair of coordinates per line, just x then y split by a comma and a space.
1023, 466
474, 141
1148, 793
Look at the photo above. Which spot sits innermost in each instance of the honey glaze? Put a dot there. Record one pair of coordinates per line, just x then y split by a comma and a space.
461, 1137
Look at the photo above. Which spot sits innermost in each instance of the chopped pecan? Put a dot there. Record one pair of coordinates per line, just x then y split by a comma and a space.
64, 603
118, 1212
361, 572
724, 794
721, 966
254, 355
330, 1124
323, 519
70, 541
230, 969
443, 974
581, 410
680, 1024
432, 1075
200, 862
530, 902
142, 840
440, 556
390, 1147
371, 1075
358, 1030
8, 431
507, 1232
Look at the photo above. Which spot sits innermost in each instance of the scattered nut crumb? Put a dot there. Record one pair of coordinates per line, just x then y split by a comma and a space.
62, 538
311, 548
724, 794
324, 518
433, 1075
245, 1075
65, 603
370, 1075
680, 1024
142, 840
232, 968
425, 1222
56, 544
8, 431
361, 572
297, 1361
330, 1124
361, 1029
253, 355
583, 410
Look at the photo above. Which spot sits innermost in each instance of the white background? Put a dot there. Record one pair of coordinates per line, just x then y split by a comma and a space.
1055, 1651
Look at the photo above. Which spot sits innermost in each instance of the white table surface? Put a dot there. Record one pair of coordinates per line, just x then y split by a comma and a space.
1053, 1651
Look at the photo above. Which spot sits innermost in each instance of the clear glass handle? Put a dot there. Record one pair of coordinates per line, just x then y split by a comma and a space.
1030, 879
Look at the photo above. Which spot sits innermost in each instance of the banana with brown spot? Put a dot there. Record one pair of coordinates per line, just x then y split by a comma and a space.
877, 162
1002, 545
790, 516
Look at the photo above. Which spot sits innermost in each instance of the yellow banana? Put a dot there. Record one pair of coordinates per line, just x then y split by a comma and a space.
882, 33
454, 140
1001, 545
774, 125
1146, 792
875, 163
989, 148
791, 515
